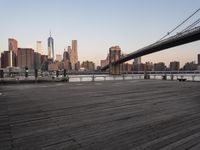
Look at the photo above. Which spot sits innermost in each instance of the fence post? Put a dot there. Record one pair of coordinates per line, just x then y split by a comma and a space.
172, 77
26, 72
1, 74
93, 79
57, 73
65, 72
193, 76
36, 74
164, 77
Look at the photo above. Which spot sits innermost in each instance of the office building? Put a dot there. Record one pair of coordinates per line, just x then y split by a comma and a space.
66, 61
58, 57
77, 66
148, 66
44, 63
12, 45
138, 67
66, 56
37, 60
125, 67
174, 66
73, 53
137, 60
6, 60
159, 66
50, 48
53, 66
88, 65
39, 48
190, 66
25, 58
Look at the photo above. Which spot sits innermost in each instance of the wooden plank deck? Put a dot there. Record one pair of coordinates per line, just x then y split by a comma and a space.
113, 115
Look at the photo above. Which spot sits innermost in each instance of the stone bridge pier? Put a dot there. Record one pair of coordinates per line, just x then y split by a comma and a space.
114, 69
114, 55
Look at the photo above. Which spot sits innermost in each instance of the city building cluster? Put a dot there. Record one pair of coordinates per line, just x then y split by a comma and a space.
31, 59
36, 59
137, 65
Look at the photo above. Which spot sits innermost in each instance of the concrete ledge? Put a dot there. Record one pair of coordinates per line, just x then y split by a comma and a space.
4, 82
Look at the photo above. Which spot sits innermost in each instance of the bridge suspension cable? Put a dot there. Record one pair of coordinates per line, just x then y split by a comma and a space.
192, 25
168, 33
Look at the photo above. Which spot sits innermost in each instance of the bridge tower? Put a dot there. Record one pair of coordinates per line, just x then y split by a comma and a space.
114, 55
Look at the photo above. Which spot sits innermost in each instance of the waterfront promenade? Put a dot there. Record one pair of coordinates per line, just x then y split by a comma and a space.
110, 115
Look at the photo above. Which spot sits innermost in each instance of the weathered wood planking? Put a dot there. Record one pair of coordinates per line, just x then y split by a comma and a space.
138, 114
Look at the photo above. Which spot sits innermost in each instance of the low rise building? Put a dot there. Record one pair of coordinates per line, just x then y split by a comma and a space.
88, 65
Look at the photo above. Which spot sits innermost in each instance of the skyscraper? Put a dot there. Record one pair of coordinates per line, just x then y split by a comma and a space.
39, 48
66, 56
50, 48
74, 49
66, 60
12, 45
73, 53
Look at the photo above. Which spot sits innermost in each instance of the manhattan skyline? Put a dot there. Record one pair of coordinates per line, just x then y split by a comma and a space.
97, 25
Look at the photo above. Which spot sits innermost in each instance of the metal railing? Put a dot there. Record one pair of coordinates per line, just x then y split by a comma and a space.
190, 76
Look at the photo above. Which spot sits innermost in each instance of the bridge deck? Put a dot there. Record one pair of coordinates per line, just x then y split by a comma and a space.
123, 115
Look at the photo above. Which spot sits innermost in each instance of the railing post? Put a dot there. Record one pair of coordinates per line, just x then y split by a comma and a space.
1, 74
164, 77
57, 73
93, 78
26, 72
65, 77
193, 76
65, 72
36, 74
172, 77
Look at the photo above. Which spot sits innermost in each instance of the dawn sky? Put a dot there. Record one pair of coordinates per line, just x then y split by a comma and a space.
98, 25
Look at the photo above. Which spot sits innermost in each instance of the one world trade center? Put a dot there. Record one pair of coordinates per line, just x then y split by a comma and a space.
50, 48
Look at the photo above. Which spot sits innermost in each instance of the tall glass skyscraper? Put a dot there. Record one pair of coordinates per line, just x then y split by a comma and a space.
50, 48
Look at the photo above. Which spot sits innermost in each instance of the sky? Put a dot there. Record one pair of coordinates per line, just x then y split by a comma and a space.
98, 25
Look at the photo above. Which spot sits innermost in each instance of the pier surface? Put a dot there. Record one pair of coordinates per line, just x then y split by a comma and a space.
111, 115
